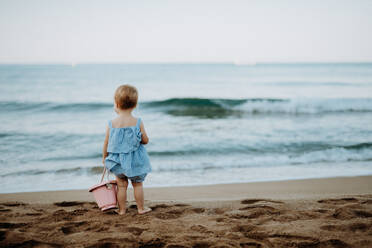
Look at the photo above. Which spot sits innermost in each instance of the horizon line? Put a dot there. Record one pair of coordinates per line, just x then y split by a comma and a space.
240, 63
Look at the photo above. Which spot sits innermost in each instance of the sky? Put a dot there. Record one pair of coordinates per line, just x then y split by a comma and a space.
182, 31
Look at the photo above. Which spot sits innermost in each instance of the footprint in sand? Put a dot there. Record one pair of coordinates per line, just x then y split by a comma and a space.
113, 243
172, 214
290, 240
367, 202
354, 227
362, 213
159, 206
78, 212
322, 211
258, 207
33, 243
198, 210
13, 204
345, 213
200, 229
255, 212
359, 226
333, 243
220, 219
182, 205
69, 203
252, 201
217, 211
34, 214
8, 225
256, 235
135, 230
243, 228
60, 215
176, 246
73, 227
202, 244
338, 201
152, 243
251, 244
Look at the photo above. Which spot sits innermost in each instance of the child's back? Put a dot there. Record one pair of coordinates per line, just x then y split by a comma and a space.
120, 122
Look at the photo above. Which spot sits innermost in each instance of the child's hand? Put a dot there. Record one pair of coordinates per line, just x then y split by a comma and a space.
144, 138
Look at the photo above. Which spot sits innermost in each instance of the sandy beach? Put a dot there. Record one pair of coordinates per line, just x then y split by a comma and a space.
248, 122
329, 212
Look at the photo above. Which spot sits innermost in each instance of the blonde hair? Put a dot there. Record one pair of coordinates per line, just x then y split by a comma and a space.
126, 96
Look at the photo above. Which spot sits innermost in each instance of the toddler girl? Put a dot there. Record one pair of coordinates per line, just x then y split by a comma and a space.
123, 150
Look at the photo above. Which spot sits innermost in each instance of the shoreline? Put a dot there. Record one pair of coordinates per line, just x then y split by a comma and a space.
283, 189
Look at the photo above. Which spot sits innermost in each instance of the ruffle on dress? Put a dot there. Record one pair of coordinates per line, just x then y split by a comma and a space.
131, 164
126, 154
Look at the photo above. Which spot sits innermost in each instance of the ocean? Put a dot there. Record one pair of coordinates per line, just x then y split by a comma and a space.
207, 123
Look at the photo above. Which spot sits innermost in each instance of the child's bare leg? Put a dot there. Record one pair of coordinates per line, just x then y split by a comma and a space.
122, 194
139, 197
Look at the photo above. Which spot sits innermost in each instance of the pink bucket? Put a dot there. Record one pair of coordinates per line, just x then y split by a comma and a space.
105, 193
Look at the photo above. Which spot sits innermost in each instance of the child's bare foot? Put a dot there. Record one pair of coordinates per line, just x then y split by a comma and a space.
145, 210
120, 212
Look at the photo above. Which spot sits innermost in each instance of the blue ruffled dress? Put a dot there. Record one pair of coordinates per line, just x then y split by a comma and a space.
126, 154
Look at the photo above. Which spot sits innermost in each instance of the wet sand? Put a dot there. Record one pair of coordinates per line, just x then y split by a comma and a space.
331, 212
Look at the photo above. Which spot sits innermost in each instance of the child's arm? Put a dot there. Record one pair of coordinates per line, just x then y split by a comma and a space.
145, 139
104, 152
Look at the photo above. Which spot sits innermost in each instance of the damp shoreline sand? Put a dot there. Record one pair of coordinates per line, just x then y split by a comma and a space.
326, 212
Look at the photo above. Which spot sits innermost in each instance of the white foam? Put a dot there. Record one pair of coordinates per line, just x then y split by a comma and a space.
308, 106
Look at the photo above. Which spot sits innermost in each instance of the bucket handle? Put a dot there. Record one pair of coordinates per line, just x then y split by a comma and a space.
103, 173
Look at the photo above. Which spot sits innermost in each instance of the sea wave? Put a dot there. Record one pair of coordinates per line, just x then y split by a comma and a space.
207, 150
330, 156
353, 153
272, 148
51, 106
212, 107
279, 154
219, 108
74, 170
73, 157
